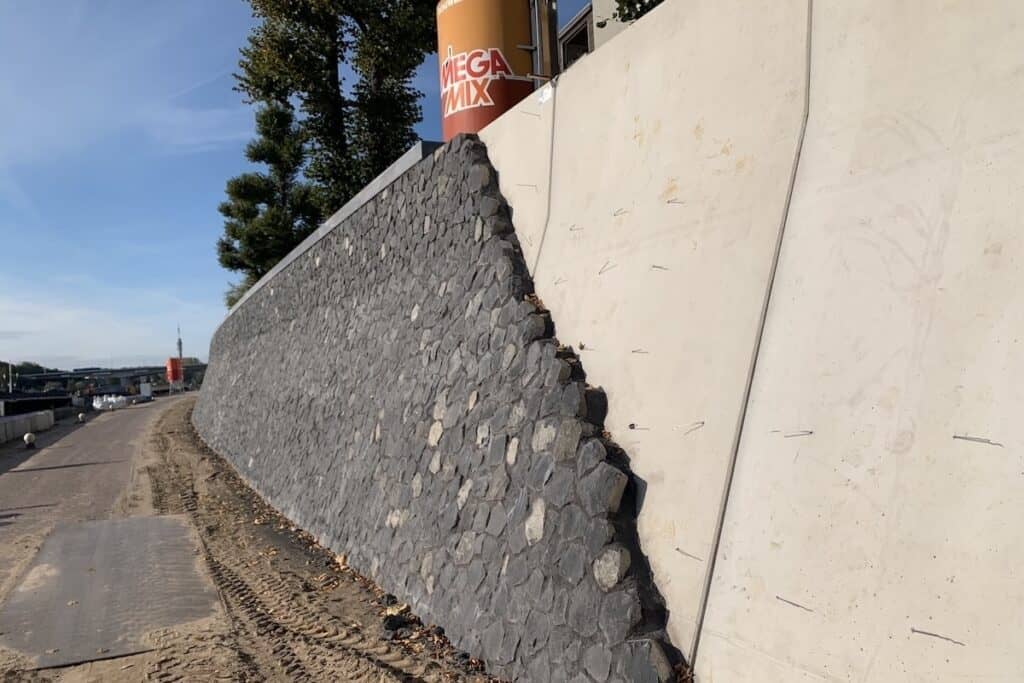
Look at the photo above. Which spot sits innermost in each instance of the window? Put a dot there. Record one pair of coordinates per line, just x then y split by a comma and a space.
577, 38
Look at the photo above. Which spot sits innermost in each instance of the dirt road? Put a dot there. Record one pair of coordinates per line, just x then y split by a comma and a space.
290, 610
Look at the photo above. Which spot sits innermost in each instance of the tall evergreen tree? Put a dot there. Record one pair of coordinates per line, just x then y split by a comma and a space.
300, 51
268, 213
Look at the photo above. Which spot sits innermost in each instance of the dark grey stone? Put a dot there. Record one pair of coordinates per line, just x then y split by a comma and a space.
499, 481
496, 521
597, 660
620, 612
492, 639
572, 653
572, 563
644, 661
573, 523
560, 489
590, 453
489, 206
539, 668
538, 630
517, 570
601, 490
583, 608
410, 360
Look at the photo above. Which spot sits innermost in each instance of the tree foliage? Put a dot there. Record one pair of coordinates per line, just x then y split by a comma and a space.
268, 213
301, 50
631, 10
28, 368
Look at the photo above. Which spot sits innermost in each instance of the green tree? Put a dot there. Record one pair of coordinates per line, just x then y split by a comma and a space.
28, 368
267, 214
300, 51
631, 10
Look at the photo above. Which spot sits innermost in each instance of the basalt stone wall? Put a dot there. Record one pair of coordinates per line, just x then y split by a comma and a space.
398, 391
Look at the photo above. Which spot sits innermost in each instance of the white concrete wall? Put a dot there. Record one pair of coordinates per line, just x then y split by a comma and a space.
874, 527
672, 155
15, 427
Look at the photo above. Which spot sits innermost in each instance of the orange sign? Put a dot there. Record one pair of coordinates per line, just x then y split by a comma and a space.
175, 373
484, 71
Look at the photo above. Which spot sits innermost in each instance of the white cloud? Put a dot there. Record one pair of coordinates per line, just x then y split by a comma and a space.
69, 331
76, 72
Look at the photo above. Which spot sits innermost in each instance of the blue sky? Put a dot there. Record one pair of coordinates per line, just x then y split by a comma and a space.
119, 130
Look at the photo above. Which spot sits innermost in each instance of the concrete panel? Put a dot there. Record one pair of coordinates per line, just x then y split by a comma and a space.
15, 427
873, 530
666, 204
519, 145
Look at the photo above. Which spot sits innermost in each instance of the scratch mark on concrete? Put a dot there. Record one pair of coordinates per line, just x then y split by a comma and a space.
936, 635
641, 351
620, 212
559, 280
575, 228
683, 552
675, 201
794, 604
978, 439
655, 266
802, 432
694, 427
530, 113
608, 265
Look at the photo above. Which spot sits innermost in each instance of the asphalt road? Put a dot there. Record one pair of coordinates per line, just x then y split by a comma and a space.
76, 473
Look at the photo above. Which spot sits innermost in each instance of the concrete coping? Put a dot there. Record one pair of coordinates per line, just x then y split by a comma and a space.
417, 153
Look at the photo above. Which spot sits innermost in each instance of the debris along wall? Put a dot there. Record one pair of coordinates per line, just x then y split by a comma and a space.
398, 392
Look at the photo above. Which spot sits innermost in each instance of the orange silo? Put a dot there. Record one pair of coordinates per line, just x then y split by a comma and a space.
484, 52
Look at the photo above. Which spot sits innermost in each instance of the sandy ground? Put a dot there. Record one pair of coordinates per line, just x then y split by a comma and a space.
291, 610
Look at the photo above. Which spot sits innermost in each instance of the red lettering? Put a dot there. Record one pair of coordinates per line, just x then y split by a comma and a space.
447, 74
460, 67
480, 97
477, 65
498, 64
465, 78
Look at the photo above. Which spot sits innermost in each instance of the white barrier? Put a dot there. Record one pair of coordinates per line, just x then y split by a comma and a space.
15, 427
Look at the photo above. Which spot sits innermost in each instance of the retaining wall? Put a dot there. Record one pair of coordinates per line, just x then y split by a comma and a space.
648, 187
783, 237
397, 391
873, 530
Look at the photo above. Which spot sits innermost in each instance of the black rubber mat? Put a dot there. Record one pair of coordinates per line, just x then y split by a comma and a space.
95, 589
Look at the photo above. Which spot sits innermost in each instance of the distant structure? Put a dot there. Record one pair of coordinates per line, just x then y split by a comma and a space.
592, 27
176, 370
